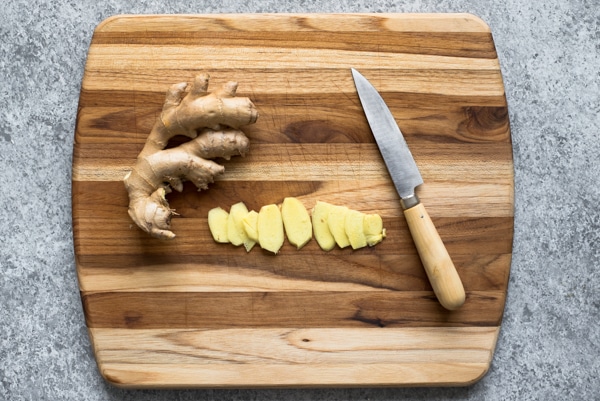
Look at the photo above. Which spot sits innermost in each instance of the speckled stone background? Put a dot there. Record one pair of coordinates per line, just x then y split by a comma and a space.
549, 344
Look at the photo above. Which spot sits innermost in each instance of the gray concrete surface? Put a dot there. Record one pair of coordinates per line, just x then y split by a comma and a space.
549, 344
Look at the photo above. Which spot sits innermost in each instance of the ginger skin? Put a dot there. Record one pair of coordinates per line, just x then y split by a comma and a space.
212, 121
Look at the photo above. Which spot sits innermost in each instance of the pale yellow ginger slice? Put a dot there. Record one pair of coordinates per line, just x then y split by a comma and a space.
373, 228
336, 221
296, 222
251, 225
217, 223
330, 224
235, 225
249, 244
320, 214
354, 226
270, 228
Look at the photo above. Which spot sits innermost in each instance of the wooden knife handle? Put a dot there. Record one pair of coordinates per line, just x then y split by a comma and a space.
439, 267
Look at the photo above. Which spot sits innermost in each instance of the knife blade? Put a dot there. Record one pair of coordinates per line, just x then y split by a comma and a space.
405, 175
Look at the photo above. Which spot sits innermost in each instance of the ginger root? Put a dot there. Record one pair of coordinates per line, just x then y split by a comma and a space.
212, 121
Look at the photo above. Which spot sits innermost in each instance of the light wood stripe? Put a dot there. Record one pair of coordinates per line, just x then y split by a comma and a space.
293, 23
351, 164
320, 162
447, 79
239, 357
288, 346
266, 375
348, 272
113, 58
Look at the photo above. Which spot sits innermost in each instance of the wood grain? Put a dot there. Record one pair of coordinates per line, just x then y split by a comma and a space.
279, 356
193, 313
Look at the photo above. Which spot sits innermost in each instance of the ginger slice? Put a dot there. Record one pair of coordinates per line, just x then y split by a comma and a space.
323, 236
330, 225
217, 223
296, 222
336, 220
354, 227
373, 228
251, 225
270, 228
235, 224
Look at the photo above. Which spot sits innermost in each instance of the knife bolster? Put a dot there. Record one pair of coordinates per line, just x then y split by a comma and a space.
409, 201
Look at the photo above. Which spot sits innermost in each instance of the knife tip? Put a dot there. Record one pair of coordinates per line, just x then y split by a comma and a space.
355, 73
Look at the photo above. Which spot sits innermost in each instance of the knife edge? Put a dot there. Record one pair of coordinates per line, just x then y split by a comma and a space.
390, 141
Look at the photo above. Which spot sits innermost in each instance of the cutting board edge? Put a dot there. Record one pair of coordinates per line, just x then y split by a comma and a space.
118, 379
109, 374
477, 21
163, 376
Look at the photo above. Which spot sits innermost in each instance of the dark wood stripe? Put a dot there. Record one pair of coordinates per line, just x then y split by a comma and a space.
291, 309
106, 199
441, 124
334, 101
449, 44
489, 234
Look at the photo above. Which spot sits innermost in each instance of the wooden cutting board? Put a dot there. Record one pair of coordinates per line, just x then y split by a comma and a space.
193, 313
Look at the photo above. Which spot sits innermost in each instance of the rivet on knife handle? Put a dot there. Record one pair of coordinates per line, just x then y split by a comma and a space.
435, 258
406, 177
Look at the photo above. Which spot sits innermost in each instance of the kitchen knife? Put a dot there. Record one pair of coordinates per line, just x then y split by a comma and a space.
406, 177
